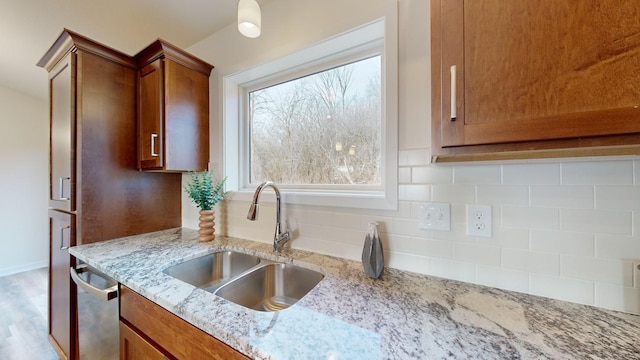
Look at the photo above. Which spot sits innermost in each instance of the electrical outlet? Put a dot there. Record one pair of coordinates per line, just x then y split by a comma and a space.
435, 216
479, 220
636, 274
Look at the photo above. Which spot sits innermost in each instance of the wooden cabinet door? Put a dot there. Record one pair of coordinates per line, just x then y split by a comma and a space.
151, 116
530, 71
135, 347
187, 118
62, 134
62, 293
176, 336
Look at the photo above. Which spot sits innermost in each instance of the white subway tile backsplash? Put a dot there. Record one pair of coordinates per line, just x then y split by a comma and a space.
346, 220
414, 192
562, 196
414, 157
618, 297
508, 238
530, 174
344, 236
531, 217
407, 227
618, 197
574, 290
451, 269
312, 217
408, 262
502, 278
515, 195
601, 270
531, 261
418, 246
347, 251
597, 221
475, 174
562, 229
455, 194
562, 242
476, 254
618, 247
433, 174
598, 173
404, 175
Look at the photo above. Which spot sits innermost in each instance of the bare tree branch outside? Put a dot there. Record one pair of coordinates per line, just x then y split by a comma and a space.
324, 128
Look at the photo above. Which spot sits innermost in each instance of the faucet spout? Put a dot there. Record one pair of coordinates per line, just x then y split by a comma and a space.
280, 237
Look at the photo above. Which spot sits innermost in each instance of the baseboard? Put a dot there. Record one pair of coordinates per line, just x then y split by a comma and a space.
23, 268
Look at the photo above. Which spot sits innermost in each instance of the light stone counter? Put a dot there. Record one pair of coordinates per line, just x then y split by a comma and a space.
349, 316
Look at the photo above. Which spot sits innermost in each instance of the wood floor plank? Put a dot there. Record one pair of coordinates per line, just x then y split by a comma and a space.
23, 317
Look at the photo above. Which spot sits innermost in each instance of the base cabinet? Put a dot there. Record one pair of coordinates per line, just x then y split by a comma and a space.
135, 347
151, 332
62, 292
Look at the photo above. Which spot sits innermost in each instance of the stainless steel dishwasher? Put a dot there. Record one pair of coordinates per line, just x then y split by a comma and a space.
98, 317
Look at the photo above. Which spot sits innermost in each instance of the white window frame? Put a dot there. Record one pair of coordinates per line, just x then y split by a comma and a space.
379, 36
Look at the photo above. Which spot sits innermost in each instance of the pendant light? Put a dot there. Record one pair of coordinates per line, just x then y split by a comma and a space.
249, 18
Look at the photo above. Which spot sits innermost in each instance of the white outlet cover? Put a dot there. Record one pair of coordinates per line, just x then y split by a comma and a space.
636, 274
435, 216
479, 220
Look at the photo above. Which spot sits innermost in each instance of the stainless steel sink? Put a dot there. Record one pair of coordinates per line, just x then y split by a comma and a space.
271, 287
247, 280
212, 270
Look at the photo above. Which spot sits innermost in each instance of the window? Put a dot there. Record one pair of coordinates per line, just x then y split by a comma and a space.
319, 129
321, 123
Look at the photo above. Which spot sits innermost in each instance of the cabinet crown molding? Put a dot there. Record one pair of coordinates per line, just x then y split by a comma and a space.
163, 49
70, 41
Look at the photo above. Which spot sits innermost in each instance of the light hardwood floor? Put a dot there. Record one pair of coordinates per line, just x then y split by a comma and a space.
23, 317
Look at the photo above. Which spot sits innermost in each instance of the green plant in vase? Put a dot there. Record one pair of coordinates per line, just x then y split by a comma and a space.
205, 192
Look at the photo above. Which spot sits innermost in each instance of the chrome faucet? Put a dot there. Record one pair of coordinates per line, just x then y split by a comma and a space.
280, 237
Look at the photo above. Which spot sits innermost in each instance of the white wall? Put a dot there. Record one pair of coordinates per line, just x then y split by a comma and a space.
563, 229
24, 147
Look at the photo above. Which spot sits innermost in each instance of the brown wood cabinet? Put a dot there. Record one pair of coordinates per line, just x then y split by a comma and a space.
167, 333
93, 172
531, 75
62, 295
62, 135
173, 109
135, 347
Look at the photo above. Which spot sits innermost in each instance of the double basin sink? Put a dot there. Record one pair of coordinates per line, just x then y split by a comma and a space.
247, 280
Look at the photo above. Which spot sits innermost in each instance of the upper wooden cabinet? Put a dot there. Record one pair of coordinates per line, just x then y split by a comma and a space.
173, 109
535, 78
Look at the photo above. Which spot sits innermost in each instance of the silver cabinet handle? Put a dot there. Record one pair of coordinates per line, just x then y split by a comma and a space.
153, 144
106, 294
61, 185
62, 229
454, 113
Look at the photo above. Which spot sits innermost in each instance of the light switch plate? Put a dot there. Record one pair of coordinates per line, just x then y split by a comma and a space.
435, 216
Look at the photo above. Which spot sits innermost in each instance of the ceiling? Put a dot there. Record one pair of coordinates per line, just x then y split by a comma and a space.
29, 27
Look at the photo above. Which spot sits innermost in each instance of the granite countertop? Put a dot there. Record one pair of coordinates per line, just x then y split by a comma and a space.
349, 316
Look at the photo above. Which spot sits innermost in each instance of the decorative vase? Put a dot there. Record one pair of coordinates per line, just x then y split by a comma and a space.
372, 254
207, 225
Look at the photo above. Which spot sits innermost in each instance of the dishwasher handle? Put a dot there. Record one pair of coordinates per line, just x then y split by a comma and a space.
106, 294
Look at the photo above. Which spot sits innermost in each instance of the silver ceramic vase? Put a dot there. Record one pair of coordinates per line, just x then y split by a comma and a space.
372, 255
